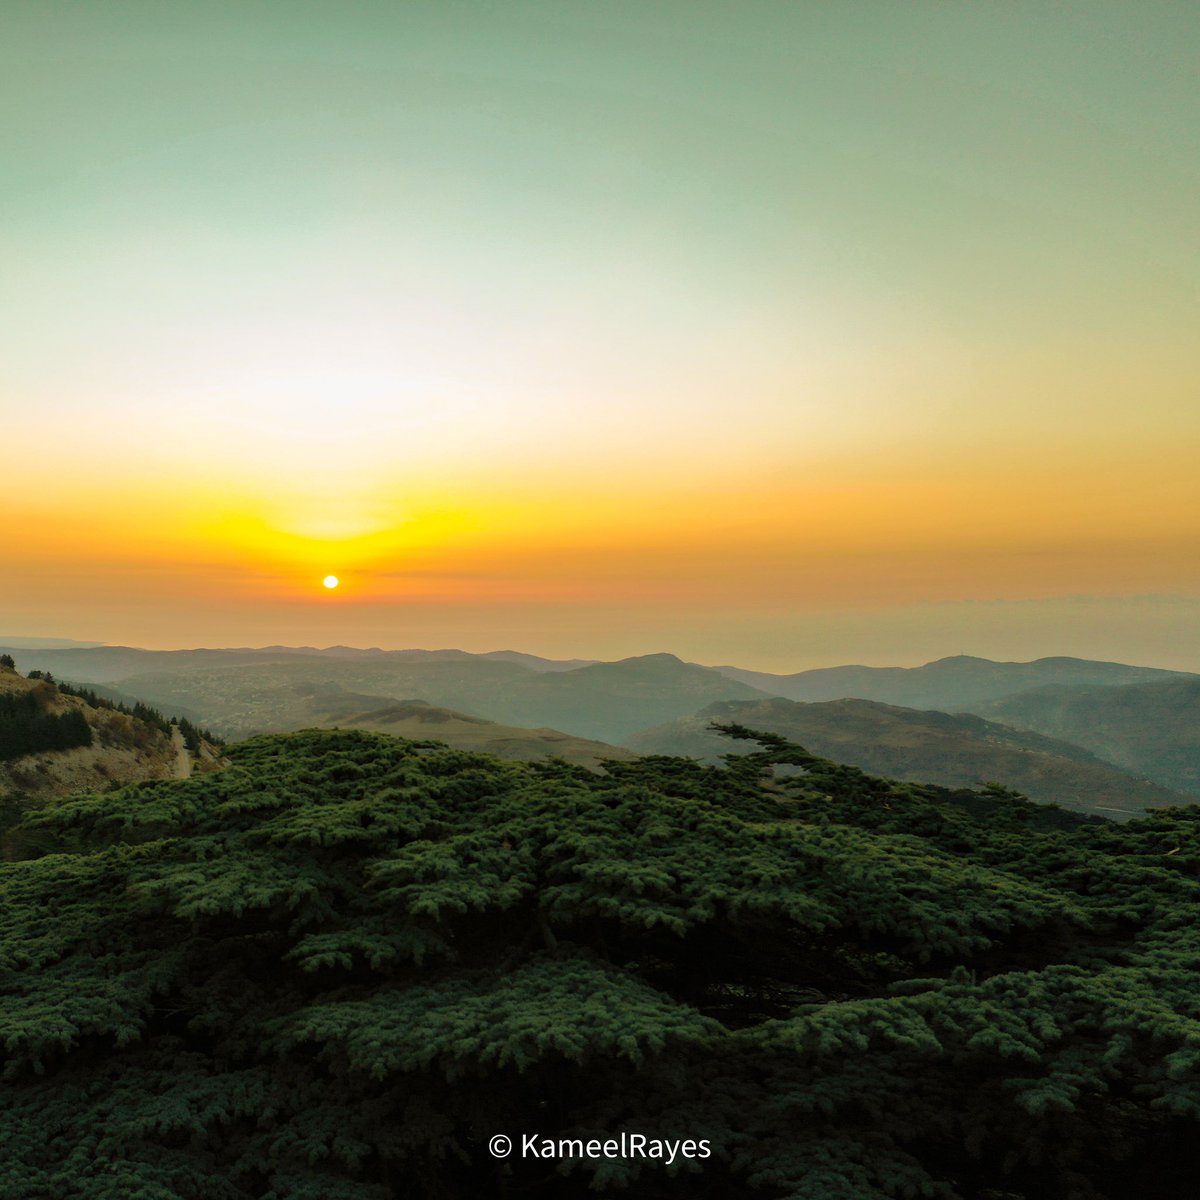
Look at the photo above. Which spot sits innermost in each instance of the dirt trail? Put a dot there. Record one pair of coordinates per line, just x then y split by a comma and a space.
183, 760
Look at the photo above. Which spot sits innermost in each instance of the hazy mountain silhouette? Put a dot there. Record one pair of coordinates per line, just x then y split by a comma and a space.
238, 692
959, 682
1151, 729
243, 690
107, 664
902, 743
254, 702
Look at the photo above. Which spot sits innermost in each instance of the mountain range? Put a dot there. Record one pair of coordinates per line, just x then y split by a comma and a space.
248, 692
960, 751
956, 683
1102, 736
1150, 729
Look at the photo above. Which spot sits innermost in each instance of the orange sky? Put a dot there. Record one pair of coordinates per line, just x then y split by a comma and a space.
593, 334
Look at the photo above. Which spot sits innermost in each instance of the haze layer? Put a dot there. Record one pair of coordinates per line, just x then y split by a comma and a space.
767, 335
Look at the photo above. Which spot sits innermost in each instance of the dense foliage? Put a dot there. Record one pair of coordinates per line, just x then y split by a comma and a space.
335, 969
26, 727
193, 735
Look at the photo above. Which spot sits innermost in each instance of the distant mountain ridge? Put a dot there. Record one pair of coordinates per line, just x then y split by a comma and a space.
102, 663
962, 751
954, 682
241, 691
1151, 729
264, 706
957, 682
603, 702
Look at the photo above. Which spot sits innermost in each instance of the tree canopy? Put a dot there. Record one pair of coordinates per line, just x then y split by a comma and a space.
335, 969
27, 727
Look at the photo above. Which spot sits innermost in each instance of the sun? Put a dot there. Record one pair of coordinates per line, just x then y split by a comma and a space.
330, 581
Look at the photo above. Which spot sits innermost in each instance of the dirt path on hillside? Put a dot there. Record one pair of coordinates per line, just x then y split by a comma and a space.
183, 760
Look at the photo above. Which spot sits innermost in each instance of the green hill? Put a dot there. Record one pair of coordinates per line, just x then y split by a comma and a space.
604, 702
902, 743
1150, 729
282, 698
958, 682
418, 720
54, 743
339, 968
609, 700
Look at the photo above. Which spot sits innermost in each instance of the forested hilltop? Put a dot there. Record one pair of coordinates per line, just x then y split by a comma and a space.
334, 970
59, 739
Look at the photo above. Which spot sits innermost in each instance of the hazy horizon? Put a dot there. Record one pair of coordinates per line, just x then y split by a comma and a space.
767, 663
785, 336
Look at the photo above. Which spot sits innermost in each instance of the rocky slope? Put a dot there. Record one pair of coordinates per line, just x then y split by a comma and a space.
124, 749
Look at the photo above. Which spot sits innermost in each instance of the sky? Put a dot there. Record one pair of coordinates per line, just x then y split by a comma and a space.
770, 334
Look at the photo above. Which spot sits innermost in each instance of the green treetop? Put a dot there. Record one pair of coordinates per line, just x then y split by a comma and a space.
335, 969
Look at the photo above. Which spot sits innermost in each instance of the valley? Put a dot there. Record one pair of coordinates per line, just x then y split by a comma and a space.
1105, 738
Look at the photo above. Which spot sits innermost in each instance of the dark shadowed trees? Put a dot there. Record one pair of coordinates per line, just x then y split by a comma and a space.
337, 968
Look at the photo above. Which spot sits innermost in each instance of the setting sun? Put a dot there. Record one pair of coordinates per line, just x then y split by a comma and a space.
711, 355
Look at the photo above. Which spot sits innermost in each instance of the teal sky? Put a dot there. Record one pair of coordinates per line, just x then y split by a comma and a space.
372, 260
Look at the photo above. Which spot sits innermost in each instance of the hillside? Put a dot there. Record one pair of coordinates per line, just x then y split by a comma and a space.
122, 748
609, 700
237, 701
348, 964
1150, 729
303, 705
901, 743
604, 702
959, 682
418, 721
241, 692
282, 696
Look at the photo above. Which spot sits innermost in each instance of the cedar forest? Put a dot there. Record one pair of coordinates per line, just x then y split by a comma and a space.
333, 970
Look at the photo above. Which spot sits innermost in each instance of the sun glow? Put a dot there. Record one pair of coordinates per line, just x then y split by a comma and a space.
330, 581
